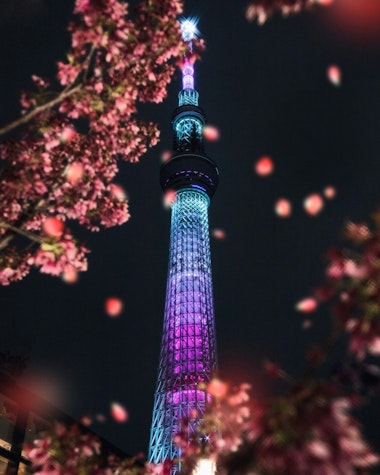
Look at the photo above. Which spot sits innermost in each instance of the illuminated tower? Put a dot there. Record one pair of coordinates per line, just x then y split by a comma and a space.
188, 349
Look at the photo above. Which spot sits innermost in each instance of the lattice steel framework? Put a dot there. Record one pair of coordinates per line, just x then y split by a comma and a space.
188, 352
188, 349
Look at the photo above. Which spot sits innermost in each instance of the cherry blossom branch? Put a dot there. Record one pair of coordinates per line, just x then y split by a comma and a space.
37, 110
54, 171
261, 10
21, 232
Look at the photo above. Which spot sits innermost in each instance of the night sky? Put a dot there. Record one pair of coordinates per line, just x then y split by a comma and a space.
266, 90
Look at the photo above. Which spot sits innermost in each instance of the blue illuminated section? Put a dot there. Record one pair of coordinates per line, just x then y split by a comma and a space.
188, 350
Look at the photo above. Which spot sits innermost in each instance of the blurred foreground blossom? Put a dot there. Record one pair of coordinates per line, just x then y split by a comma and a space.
261, 10
168, 198
283, 208
334, 75
264, 166
113, 306
353, 285
70, 275
309, 431
219, 233
75, 450
313, 204
329, 192
118, 412
74, 173
307, 305
53, 227
211, 133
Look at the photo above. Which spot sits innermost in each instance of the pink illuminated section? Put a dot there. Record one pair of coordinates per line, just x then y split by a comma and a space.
188, 75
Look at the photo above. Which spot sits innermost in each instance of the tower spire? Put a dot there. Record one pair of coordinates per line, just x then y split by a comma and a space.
188, 348
188, 94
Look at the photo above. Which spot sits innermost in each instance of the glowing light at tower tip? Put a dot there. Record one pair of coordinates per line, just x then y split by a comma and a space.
189, 32
189, 29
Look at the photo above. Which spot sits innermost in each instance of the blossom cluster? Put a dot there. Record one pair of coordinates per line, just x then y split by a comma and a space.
309, 430
68, 446
221, 427
261, 10
353, 286
63, 450
64, 163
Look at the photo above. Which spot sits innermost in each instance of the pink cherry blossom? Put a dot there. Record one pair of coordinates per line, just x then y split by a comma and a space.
211, 133
118, 192
53, 227
68, 134
261, 10
329, 192
113, 306
169, 198
283, 208
114, 63
56, 258
307, 305
218, 233
334, 75
70, 275
118, 412
74, 173
313, 204
264, 166
217, 388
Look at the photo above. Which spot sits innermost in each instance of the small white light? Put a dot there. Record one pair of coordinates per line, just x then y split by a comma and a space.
189, 28
204, 466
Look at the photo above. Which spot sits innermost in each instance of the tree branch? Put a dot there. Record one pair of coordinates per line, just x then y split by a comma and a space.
48, 105
22, 232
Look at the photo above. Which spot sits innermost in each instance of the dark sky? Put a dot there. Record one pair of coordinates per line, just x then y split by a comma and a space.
265, 88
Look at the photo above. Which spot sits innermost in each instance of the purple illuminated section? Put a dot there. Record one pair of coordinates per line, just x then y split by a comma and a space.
188, 75
188, 349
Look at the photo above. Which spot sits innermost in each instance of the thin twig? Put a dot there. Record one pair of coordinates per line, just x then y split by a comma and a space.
48, 105
22, 232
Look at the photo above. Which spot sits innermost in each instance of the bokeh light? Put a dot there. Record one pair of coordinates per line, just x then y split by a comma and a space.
283, 208
118, 412
307, 323
325, 2
218, 233
217, 388
264, 166
53, 227
211, 133
166, 155
70, 275
359, 19
313, 204
74, 173
307, 305
168, 198
329, 192
113, 306
118, 192
85, 420
334, 75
